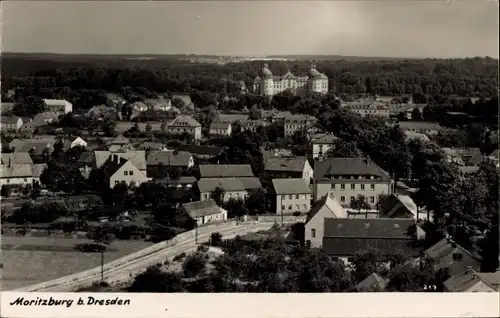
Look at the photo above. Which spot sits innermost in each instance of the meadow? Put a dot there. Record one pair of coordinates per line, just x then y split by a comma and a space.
31, 260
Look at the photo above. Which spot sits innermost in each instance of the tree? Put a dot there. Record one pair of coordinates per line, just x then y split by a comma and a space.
254, 113
416, 114
194, 264
148, 128
101, 236
32, 106
59, 176
215, 239
163, 126
344, 149
360, 203
218, 195
256, 202
154, 280
235, 208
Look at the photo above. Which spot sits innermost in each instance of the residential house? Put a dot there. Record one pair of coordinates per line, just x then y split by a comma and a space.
184, 124
367, 107
42, 119
137, 158
253, 125
6, 107
275, 153
411, 135
321, 143
344, 237
449, 256
349, 177
186, 182
226, 171
201, 152
292, 195
159, 161
326, 207
274, 115
152, 146
470, 281
10, 123
156, 104
283, 167
118, 143
231, 118
399, 206
16, 169
78, 142
220, 129
427, 128
59, 105
36, 146
118, 170
373, 283
204, 212
298, 122
406, 109
470, 156
233, 188
452, 156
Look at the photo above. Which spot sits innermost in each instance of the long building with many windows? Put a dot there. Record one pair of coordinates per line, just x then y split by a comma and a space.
267, 84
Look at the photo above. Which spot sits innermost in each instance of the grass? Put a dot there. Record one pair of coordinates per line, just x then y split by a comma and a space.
31, 260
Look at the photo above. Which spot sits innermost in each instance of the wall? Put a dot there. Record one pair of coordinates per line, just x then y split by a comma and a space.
321, 189
24, 180
277, 218
322, 149
304, 203
119, 176
228, 195
317, 223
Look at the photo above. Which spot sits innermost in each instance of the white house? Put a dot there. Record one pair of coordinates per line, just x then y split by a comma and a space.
59, 105
127, 173
220, 129
78, 142
13, 123
204, 211
292, 195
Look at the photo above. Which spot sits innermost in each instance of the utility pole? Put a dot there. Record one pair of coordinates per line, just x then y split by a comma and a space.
196, 233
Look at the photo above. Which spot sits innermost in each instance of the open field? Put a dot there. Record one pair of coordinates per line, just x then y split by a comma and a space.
30, 260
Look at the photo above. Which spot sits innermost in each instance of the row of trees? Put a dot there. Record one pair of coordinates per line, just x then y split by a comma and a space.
270, 265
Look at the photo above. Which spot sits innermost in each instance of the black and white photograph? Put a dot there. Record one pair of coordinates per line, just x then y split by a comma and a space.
249, 147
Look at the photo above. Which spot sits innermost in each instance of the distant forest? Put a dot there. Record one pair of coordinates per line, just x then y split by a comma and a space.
60, 76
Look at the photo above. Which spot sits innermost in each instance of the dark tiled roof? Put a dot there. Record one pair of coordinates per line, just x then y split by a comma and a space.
419, 125
348, 246
86, 157
201, 150
251, 183
368, 228
181, 180
348, 167
201, 208
372, 283
225, 171
221, 125
290, 164
290, 186
443, 248
228, 184
168, 158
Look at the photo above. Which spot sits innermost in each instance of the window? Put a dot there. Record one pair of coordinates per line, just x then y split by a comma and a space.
372, 199
305, 206
116, 182
282, 208
313, 233
362, 186
353, 186
131, 173
230, 195
342, 187
352, 199
125, 173
333, 187
297, 207
372, 187
342, 199
25, 180
457, 257
297, 197
289, 208
237, 195
289, 197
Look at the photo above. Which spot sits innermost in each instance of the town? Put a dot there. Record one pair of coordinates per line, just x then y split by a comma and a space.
292, 177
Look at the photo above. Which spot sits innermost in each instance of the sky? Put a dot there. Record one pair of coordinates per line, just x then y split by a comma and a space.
417, 28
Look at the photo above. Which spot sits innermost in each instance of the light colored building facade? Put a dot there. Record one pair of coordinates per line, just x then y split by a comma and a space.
266, 84
296, 167
204, 212
327, 207
16, 169
129, 174
184, 124
59, 105
295, 123
321, 143
220, 129
233, 188
292, 195
349, 177
367, 107
78, 142
10, 123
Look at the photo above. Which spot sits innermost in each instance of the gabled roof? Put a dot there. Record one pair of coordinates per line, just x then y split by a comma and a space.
419, 125
230, 118
396, 199
56, 102
324, 138
86, 157
290, 186
348, 167
180, 180
225, 171
217, 125
148, 145
16, 158
299, 118
120, 140
443, 248
290, 164
494, 154
183, 121
137, 158
9, 119
251, 183
469, 278
38, 169
201, 150
228, 184
372, 283
169, 158
201, 208
331, 204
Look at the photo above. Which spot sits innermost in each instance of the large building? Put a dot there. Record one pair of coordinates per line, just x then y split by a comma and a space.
267, 84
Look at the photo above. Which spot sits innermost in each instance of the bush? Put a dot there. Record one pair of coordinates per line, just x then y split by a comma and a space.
215, 239
194, 264
89, 248
202, 248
